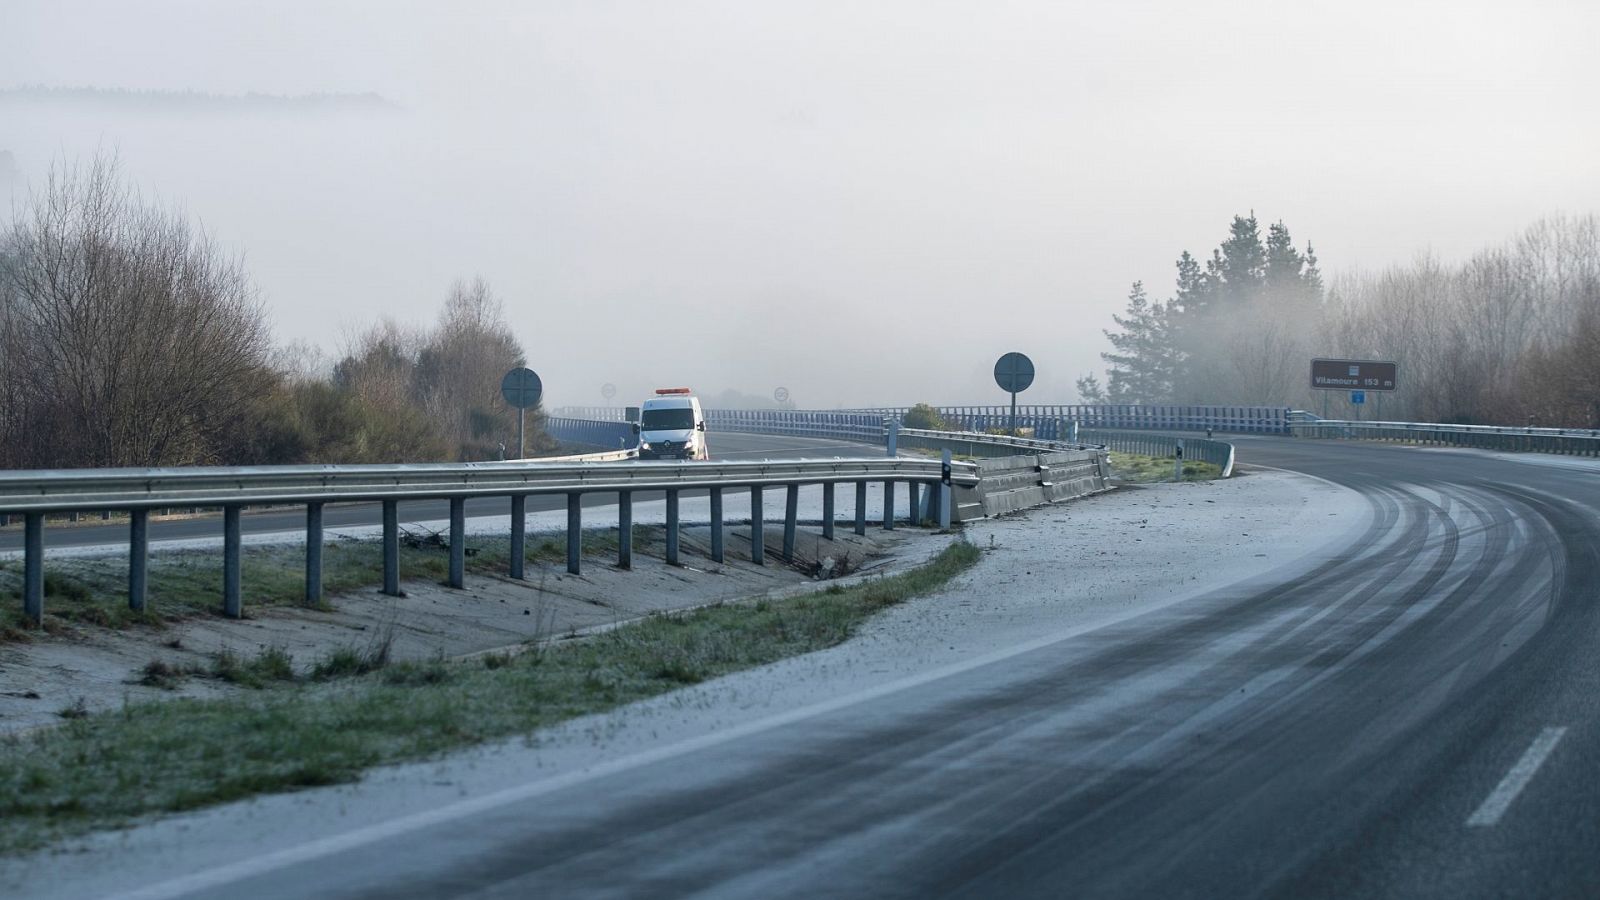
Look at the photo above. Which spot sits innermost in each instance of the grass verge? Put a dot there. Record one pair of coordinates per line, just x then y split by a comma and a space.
105, 769
1136, 469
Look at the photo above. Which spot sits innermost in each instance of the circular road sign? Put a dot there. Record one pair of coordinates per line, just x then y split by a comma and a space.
521, 388
781, 395
608, 390
1014, 372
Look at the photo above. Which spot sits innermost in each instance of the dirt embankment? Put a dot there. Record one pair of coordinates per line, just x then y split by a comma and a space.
84, 667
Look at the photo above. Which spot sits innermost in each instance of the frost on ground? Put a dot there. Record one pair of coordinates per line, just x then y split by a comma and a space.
1048, 572
90, 668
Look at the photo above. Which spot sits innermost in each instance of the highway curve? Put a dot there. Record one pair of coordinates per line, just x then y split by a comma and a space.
1415, 716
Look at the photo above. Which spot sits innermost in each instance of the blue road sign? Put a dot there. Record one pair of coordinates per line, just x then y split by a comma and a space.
1358, 397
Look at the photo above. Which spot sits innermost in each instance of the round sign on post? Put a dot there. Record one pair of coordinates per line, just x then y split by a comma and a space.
522, 388
781, 395
1013, 372
608, 390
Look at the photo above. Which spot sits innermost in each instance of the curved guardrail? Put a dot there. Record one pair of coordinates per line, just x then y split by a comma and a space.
1046, 421
35, 493
1566, 441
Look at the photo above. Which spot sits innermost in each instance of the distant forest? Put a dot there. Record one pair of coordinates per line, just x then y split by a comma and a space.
192, 101
1509, 336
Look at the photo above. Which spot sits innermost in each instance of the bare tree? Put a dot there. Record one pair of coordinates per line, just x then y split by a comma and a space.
129, 337
460, 367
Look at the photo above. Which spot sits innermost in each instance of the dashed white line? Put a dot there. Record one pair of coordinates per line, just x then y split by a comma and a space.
1500, 799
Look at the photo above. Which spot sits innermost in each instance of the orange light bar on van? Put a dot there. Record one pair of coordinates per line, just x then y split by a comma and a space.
673, 391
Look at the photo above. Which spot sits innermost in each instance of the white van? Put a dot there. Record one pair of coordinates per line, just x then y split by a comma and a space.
672, 426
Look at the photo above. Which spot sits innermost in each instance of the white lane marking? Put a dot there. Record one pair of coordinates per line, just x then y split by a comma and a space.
1500, 799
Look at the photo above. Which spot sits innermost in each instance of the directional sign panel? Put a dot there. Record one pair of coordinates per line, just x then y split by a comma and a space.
521, 388
1354, 375
1014, 372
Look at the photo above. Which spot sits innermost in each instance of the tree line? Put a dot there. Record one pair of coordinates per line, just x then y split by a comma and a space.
129, 338
1509, 336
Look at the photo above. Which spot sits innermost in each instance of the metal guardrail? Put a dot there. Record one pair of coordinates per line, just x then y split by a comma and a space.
1054, 422
593, 432
969, 443
798, 423
1566, 441
35, 493
1050, 422
603, 456
1014, 473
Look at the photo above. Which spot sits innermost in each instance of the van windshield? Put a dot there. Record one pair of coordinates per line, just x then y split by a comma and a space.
667, 419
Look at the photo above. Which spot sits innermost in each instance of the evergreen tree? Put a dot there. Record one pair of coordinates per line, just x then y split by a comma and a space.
1142, 368
1090, 390
1284, 263
1194, 288
1239, 265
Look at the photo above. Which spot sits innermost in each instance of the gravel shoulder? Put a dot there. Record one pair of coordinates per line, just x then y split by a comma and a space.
1047, 574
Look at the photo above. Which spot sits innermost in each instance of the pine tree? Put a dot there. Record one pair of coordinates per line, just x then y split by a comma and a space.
1143, 366
1239, 265
1195, 289
1284, 263
1090, 390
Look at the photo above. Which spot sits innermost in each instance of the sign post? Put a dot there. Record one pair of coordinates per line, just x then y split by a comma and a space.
1013, 372
522, 388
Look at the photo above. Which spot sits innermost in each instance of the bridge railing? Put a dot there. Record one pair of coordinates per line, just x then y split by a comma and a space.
1050, 422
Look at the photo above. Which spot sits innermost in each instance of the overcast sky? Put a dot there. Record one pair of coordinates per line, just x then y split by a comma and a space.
863, 202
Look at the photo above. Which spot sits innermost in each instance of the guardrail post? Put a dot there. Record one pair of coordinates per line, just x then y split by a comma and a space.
716, 524
574, 534
672, 527
827, 511
313, 554
944, 491
624, 529
458, 542
33, 567
138, 557
911, 499
391, 547
888, 506
758, 534
232, 603
861, 507
519, 534
791, 507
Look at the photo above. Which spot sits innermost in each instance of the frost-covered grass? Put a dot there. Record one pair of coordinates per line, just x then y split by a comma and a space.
1138, 469
185, 583
359, 710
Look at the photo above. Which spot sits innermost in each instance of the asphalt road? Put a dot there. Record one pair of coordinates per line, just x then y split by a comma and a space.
346, 515
1418, 716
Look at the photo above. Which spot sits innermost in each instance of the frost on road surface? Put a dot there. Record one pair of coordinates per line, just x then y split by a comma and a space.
1054, 571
